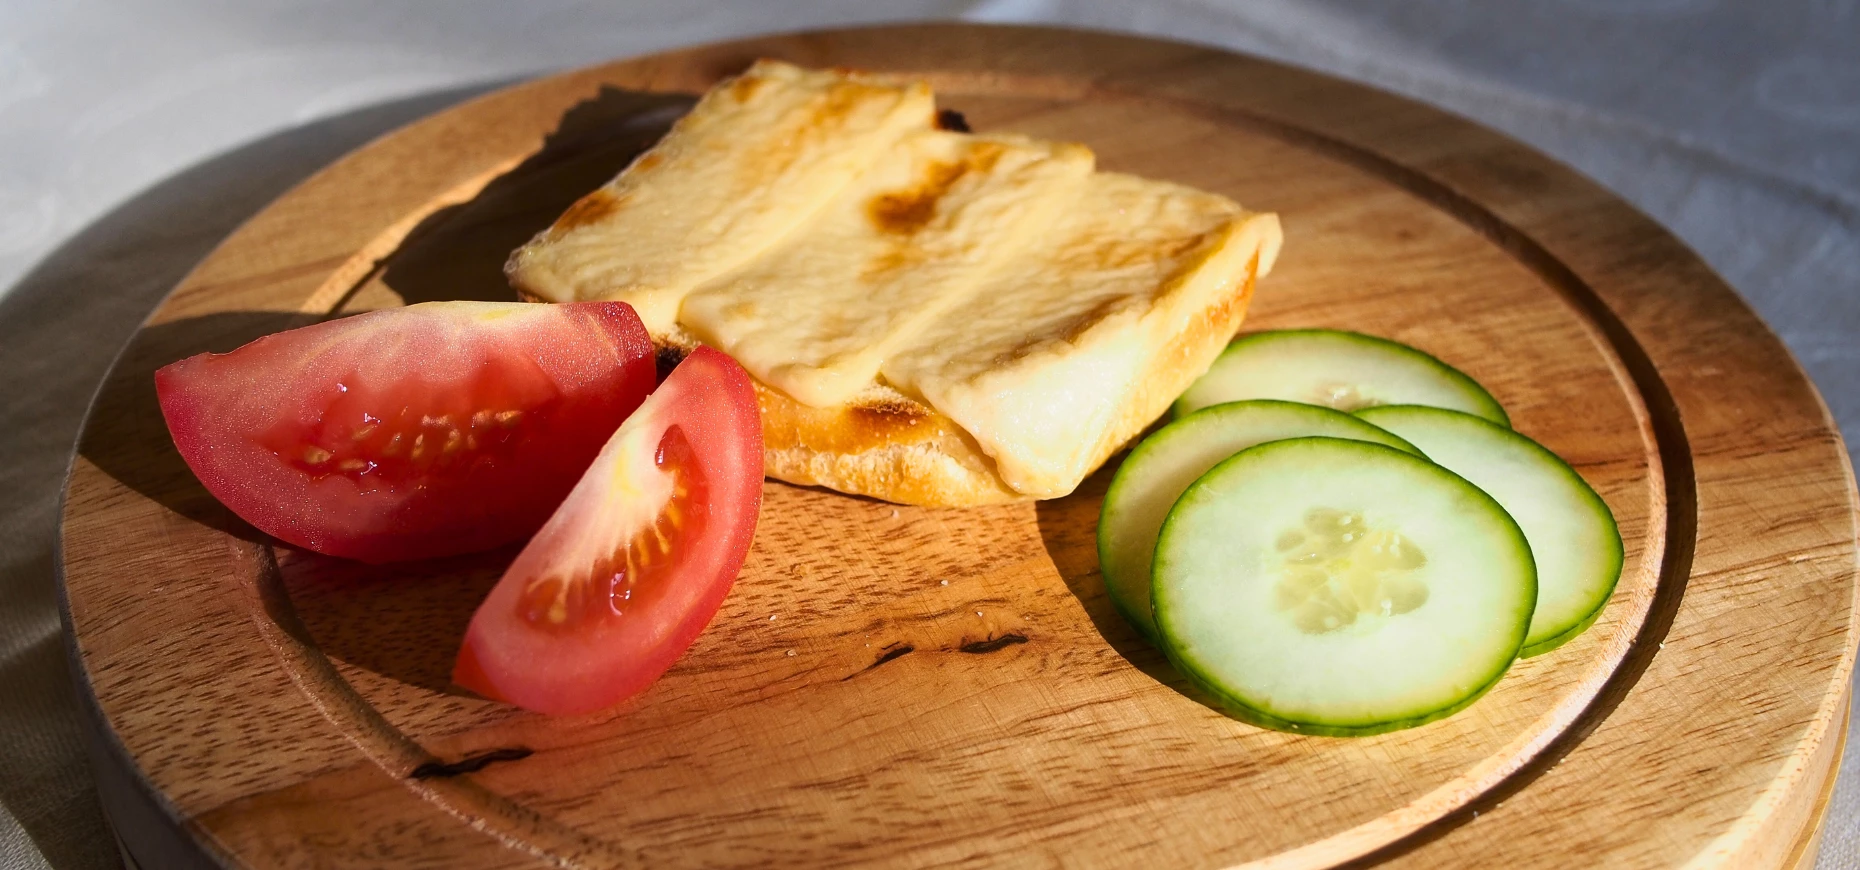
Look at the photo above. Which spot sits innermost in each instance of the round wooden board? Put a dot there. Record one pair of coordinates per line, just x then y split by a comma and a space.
905, 686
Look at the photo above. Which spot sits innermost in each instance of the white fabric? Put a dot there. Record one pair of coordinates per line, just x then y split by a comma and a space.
135, 135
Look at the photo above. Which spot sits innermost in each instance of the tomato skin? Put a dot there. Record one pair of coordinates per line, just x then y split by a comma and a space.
409, 433
626, 629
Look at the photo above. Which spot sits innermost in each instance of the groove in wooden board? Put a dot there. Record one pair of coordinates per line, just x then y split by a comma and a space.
255, 577
1116, 65
1425, 808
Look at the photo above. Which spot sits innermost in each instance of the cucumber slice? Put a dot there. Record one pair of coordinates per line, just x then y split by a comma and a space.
1336, 369
1154, 475
1572, 533
1337, 587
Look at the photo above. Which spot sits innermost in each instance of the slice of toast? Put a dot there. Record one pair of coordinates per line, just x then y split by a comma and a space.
956, 320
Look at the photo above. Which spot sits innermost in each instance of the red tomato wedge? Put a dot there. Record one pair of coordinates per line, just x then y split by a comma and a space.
635, 563
408, 433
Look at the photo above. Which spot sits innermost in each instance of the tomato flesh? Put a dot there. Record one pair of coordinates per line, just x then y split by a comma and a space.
628, 571
380, 439
637, 572
409, 433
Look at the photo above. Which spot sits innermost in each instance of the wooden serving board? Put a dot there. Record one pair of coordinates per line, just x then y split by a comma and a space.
903, 686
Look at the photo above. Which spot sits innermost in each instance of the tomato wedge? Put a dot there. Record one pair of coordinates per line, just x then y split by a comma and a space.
635, 563
408, 433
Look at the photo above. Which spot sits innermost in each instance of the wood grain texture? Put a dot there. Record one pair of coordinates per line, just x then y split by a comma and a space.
951, 686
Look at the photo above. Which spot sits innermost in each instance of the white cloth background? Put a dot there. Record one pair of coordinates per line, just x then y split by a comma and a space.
133, 135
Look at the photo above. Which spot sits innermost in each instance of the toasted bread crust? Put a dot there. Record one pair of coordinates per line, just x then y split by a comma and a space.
895, 449
891, 447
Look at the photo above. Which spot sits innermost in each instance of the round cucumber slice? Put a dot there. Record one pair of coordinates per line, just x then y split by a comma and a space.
1154, 475
1572, 533
1325, 586
1336, 369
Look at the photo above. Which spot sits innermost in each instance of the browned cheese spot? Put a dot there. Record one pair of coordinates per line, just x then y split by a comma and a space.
841, 99
745, 87
904, 212
590, 209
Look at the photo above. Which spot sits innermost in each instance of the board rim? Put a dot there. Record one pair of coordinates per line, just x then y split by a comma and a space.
1467, 210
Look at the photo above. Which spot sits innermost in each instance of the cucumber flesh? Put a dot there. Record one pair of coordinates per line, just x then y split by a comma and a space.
1343, 370
1154, 475
1325, 586
1571, 531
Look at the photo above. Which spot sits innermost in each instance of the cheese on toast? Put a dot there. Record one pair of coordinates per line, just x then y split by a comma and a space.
931, 317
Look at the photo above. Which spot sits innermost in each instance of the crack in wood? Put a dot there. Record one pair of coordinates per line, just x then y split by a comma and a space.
470, 763
896, 650
992, 644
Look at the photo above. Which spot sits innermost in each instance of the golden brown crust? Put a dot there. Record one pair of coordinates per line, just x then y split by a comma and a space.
895, 449
883, 444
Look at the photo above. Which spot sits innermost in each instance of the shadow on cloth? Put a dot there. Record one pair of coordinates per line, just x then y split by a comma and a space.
60, 326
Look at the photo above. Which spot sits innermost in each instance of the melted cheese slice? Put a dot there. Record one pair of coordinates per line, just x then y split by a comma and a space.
909, 242
746, 167
817, 228
1044, 359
